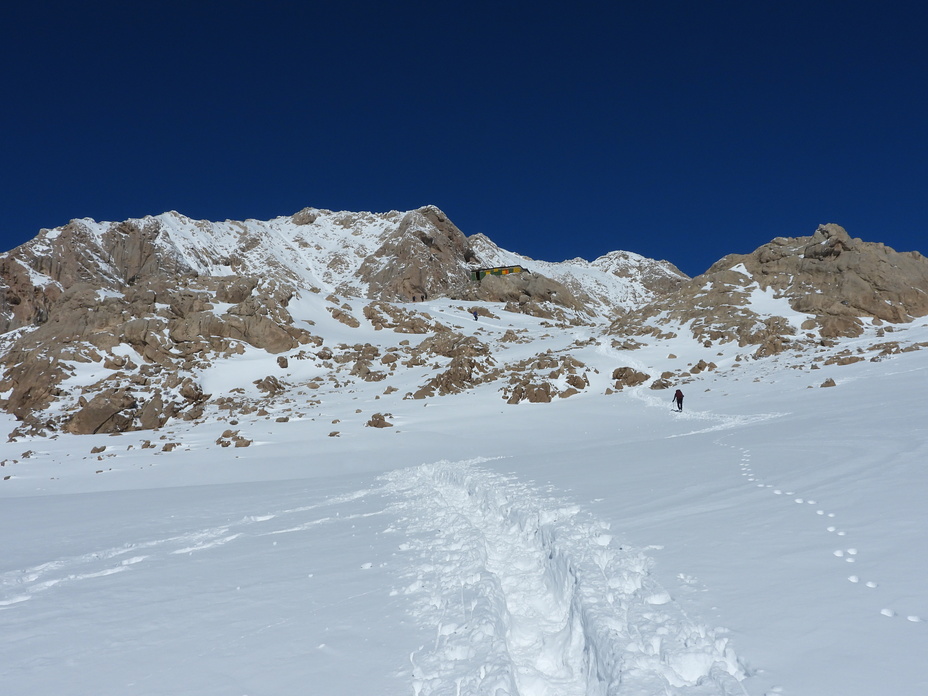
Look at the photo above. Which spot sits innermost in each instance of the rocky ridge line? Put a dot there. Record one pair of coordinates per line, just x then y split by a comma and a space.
147, 305
813, 289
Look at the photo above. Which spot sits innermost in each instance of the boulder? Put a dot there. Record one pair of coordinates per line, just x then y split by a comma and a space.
379, 420
628, 377
110, 411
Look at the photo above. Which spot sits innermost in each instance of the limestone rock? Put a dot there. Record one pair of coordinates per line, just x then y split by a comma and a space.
535, 393
155, 413
107, 412
270, 385
426, 255
838, 281
540, 379
379, 420
231, 438
628, 377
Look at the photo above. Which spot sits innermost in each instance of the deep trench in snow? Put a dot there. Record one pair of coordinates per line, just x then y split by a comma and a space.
536, 594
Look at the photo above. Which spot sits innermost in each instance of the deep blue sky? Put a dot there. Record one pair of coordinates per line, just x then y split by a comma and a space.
678, 130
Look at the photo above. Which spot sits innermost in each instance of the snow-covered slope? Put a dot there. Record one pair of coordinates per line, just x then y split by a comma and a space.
763, 541
620, 281
314, 247
337, 252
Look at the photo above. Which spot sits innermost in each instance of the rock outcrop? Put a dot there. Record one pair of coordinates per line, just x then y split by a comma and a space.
542, 378
426, 256
628, 377
97, 294
818, 287
530, 294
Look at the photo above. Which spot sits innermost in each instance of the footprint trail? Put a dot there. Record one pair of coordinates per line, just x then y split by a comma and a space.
540, 596
848, 555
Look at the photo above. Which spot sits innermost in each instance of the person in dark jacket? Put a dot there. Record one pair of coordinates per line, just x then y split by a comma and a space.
678, 399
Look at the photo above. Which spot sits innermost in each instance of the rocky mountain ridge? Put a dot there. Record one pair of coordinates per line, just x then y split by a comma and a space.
792, 291
108, 327
617, 282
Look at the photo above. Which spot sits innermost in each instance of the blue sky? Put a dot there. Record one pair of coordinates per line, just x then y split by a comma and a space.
677, 130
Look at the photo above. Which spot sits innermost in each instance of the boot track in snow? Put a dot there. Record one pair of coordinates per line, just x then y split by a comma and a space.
529, 596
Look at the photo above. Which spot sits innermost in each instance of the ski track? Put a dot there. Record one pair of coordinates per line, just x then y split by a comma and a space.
847, 554
529, 596
21, 585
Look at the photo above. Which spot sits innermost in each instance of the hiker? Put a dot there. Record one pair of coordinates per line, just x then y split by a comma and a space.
474, 312
678, 399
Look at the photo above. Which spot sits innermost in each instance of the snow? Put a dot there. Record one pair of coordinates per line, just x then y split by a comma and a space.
767, 540
36, 278
302, 252
616, 277
766, 303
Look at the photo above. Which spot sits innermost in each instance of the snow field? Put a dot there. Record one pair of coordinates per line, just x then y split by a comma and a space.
791, 515
536, 592
241, 589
